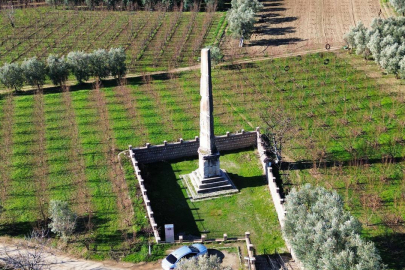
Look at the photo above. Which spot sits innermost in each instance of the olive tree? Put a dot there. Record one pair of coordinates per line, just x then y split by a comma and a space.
58, 69
202, 263
63, 219
241, 18
116, 62
99, 62
79, 63
401, 71
11, 75
325, 236
216, 55
34, 72
399, 5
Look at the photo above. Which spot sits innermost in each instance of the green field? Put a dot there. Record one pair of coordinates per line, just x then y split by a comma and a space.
347, 135
153, 40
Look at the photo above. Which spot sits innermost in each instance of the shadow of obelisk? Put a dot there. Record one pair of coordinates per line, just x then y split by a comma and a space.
208, 180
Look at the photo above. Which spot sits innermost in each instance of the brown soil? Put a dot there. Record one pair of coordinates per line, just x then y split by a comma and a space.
56, 260
286, 26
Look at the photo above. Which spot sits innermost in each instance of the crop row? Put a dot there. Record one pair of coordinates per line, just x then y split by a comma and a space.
144, 35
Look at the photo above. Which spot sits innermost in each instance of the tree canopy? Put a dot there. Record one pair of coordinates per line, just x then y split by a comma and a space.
202, 263
11, 75
241, 17
325, 236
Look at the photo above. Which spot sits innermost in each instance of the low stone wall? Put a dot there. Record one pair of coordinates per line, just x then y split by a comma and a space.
181, 149
146, 200
168, 151
278, 201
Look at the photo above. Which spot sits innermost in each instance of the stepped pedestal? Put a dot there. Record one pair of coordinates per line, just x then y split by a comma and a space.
208, 180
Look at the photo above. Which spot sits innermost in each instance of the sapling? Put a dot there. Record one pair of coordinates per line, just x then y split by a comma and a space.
63, 220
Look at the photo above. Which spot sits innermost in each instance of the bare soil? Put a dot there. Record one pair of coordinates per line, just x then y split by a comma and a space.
287, 26
56, 260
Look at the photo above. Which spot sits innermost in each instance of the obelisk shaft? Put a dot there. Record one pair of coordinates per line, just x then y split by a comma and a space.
207, 137
208, 153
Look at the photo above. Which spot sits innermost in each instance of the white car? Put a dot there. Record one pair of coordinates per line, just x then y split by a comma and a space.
185, 252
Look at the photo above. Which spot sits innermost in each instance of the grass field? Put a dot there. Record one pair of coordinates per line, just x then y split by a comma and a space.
250, 210
152, 40
347, 135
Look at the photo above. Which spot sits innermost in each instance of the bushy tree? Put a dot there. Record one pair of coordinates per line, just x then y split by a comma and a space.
116, 62
399, 5
385, 40
401, 71
63, 219
58, 69
11, 75
99, 62
325, 236
34, 72
216, 55
202, 263
241, 17
79, 63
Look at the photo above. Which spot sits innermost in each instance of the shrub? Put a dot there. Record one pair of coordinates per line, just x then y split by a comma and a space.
34, 72
63, 219
11, 75
116, 62
79, 63
58, 69
324, 235
202, 263
216, 55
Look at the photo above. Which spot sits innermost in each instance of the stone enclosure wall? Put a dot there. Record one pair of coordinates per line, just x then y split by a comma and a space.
181, 149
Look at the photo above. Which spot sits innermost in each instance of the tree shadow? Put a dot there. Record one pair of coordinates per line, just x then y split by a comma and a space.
391, 249
274, 42
276, 31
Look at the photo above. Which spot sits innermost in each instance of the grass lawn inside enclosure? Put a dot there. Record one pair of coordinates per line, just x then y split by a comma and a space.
250, 210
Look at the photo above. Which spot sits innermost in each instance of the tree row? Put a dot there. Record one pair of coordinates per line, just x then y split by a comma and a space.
384, 42
99, 64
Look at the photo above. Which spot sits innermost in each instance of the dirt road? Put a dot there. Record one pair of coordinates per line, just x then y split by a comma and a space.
54, 260
293, 25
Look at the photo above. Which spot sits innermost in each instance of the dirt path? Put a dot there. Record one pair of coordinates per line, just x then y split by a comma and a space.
55, 260
300, 25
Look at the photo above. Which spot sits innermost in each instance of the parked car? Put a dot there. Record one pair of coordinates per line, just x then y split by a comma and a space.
185, 252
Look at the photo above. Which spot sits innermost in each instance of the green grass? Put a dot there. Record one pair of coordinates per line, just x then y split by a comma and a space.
340, 118
250, 210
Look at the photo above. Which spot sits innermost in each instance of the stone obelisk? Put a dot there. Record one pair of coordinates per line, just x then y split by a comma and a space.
207, 152
208, 180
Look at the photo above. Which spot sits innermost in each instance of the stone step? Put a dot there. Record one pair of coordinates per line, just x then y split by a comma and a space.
214, 189
212, 179
218, 183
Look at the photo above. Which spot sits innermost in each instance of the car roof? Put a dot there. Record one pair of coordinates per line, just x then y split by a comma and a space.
200, 247
180, 252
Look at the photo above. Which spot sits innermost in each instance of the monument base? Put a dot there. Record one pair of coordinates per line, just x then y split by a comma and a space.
202, 188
